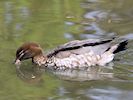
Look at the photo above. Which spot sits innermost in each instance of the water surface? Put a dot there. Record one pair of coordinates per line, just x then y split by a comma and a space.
54, 22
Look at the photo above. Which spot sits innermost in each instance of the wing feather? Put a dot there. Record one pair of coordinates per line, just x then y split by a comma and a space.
79, 47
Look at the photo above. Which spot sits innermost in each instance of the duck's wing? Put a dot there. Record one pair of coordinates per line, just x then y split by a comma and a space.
98, 46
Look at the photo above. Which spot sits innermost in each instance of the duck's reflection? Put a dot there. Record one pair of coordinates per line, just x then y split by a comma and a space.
33, 74
30, 74
86, 74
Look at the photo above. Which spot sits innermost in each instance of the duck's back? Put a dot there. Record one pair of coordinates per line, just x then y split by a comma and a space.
78, 47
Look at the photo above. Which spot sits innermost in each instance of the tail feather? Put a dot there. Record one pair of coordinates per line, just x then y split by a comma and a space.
121, 46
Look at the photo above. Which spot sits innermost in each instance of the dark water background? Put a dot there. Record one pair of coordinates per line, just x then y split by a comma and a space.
54, 22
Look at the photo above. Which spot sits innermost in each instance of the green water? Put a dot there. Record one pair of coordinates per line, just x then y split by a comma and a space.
54, 22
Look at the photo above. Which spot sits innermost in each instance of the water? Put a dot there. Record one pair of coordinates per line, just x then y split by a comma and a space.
54, 22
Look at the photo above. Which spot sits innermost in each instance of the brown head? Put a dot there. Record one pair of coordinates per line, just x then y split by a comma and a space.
27, 51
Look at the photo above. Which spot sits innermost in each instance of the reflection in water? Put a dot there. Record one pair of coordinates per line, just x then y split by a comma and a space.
96, 15
33, 74
93, 73
30, 75
128, 36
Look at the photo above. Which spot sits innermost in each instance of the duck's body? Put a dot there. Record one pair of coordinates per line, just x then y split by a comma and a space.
74, 54
79, 61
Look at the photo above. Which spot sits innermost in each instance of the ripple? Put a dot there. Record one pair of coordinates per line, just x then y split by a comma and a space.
96, 15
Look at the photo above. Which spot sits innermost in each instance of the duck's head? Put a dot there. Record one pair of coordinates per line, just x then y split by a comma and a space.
29, 51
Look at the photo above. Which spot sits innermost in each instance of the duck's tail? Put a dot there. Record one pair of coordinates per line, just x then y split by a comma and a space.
118, 47
121, 46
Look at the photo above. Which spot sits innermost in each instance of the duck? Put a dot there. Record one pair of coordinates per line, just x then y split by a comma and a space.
72, 55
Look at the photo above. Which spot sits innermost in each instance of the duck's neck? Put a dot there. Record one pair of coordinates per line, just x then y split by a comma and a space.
40, 59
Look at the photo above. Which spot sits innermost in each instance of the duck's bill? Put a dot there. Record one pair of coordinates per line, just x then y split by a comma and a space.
17, 62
